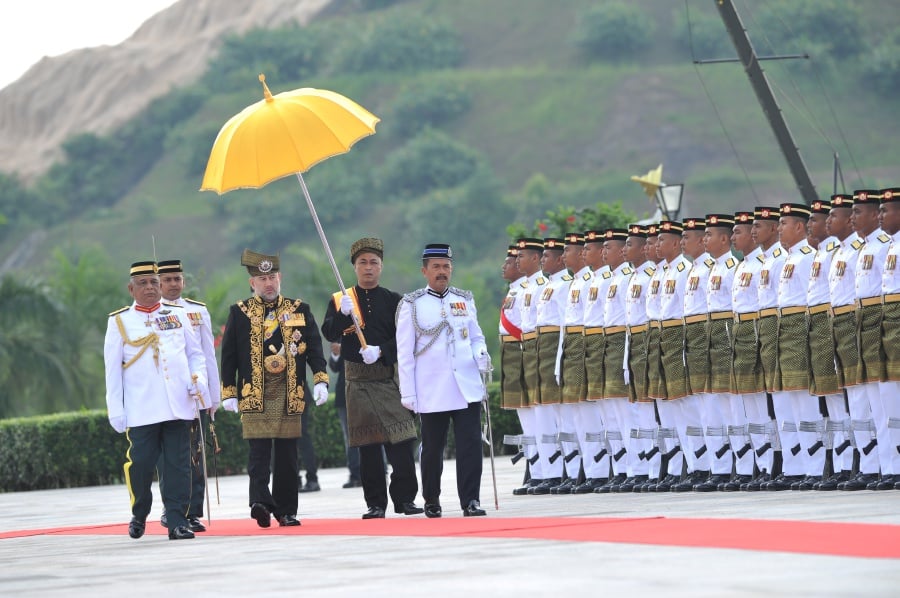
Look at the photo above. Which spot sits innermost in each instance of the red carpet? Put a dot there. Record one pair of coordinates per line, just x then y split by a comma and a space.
838, 539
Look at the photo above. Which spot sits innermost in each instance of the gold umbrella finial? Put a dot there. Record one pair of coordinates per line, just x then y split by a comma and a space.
266, 93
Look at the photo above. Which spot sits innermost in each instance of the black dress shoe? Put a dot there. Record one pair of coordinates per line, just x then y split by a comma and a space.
886, 483
665, 484
310, 486
809, 483
196, 525
645, 486
181, 533
782, 482
691, 480
545, 486
288, 521
408, 508
352, 483
259, 512
734, 484
860, 482
757, 483
163, 521
608, 486
832, 482
136, 528
473, 509
374, 513
585, 487
563, 488
433, 510
711, 484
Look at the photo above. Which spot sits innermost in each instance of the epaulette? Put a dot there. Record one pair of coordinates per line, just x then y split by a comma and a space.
730, 263
195, 302
806, 250
650, 271
606, 275
540, 280
832, 246
777, 252
709, 262
460, 292
857, 244
626, 271
884, 238
118, 311
761, 258
680, 267
567, 277
524, 284
586, 276
167, 304
410, 297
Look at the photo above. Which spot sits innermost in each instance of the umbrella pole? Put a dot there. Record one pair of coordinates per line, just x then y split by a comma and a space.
337, 274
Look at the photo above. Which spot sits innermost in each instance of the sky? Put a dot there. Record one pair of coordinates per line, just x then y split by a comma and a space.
32, 29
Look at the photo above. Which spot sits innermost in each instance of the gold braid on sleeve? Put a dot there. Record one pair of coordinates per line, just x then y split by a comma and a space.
151, 340
320, 377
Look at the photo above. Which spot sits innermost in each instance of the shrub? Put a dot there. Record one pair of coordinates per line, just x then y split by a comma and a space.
427, 104
613, 30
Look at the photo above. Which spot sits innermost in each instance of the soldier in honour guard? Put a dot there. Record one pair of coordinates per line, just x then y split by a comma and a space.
644, 427
842, 287
611, 448
724, 409
890, 327
528, 260
155, 374
512, 393
765, 234
377, 422
823, 381
869, 270
171, 278
442, 361
796, 411
549, 318
706, 439
615, 406
268, 342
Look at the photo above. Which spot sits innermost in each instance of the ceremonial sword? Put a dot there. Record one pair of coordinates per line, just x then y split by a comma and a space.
485, 378
198, 400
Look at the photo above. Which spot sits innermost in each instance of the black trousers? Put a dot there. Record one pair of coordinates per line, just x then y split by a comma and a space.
307, 451
404, 485
276, 457
467, 431
352, 451
169, 444
198, 483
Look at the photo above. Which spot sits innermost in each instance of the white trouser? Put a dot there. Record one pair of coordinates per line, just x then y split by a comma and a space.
738, 433
838, 416
714, 418
565, 421
626, 418
880, 403
890, 396
616, 441
526, 420
861, 411
590, 422
811, 432
545, 428
644, 418
690, 429
669, 418
793, 457
757, 410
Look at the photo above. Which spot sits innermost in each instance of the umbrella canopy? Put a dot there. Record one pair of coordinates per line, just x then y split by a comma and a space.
282, 135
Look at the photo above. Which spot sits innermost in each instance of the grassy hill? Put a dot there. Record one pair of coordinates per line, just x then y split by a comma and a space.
538, 107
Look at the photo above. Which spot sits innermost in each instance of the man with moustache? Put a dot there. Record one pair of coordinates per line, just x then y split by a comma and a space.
869, 270
823, 380
268, 342
155, 373
376, 420
889, 217
842, 287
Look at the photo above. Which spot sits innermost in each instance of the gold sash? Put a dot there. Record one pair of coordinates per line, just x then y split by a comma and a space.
151, 340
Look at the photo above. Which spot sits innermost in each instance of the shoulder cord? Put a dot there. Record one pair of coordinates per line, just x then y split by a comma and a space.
433, 332
151, 340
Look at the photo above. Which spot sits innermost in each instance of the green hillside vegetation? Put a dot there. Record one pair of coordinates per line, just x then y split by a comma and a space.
495, 115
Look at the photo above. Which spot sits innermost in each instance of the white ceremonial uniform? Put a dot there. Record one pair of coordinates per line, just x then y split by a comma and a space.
869, 273
551, 311
794, 406
511, 309
532, 290
842, 286
643, 417
818, 296
202, 325
745, 303
890, 388
149, 384
574, 413
615, 410
438, 338
693, 406
592, 317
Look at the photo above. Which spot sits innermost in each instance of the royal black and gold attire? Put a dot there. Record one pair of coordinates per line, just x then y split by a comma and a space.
266, 348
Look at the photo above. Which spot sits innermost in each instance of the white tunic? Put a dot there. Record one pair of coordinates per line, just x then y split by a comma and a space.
818, 291
511, 308
202, 324
890, 278
842, 274
769, 275
793, 284
437, 341
744, 296
155, 387
870, 265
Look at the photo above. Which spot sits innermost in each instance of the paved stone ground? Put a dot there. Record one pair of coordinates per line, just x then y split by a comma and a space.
435, 566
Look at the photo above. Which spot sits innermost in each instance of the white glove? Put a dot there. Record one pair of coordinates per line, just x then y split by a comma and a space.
118, 423
346, 305
212, 411
409, 402
370, 354
230, 405
194, 391
483, 359
320, 393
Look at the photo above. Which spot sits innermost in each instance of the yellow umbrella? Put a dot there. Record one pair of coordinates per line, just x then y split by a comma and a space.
282, 135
